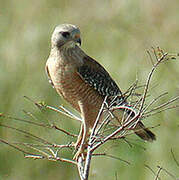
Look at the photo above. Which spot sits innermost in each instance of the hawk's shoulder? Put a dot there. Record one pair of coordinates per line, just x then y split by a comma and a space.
96, 76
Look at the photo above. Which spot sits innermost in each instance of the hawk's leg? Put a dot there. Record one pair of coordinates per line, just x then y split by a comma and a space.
83, 137
84, 132
79, 139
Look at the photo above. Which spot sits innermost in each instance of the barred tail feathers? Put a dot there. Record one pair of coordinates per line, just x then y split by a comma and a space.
144, 132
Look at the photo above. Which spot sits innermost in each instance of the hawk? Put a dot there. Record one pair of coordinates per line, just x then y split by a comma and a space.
82, 81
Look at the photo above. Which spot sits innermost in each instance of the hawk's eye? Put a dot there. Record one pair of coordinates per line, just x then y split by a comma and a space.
65, 34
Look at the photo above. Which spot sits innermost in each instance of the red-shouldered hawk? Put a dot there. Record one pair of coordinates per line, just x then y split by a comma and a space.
81, 80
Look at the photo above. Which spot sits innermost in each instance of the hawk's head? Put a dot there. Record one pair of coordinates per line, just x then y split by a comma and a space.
65, 33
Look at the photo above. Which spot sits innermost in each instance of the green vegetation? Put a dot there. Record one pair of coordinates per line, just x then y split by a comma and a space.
117, 34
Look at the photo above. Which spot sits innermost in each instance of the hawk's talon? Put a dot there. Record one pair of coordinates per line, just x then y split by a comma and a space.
80, 153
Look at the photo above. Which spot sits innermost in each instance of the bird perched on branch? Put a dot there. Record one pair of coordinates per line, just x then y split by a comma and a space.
82, 81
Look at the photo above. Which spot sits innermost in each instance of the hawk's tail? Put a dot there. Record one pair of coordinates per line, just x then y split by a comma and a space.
144, 132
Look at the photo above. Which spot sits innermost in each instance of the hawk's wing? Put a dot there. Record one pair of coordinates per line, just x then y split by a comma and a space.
97, 77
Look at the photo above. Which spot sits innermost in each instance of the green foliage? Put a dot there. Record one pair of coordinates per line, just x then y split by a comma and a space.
117, 34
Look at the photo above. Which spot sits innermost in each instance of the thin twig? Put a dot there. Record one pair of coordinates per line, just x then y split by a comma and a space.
38, 150
158, 172
159, 111
113, 157
64, 131
153, 101
44, 145
51, 126
170, 174
149, 79
15, 147
163, 105
50, 158
177, 163
26, 121
27, 134
64, 111
148, 167
150, 57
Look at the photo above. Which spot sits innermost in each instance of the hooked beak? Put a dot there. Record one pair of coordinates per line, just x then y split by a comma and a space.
79, 41
77, 38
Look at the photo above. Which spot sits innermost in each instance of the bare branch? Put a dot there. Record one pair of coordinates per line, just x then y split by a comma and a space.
27, 134
113, 157
62, 130
51, 126
158, 172
15, 147
159, 111
150, 57
62, 109
164, 104
177, 163
148, 167
149, 78
167, 172
153, 101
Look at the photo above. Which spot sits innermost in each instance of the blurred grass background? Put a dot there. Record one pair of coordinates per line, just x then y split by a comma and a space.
117, 34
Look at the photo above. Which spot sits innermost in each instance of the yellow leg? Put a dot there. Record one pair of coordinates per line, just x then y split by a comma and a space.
80, 136
83, 144
84, 133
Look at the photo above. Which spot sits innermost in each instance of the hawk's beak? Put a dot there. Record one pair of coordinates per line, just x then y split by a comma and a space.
79, 41
77, 38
